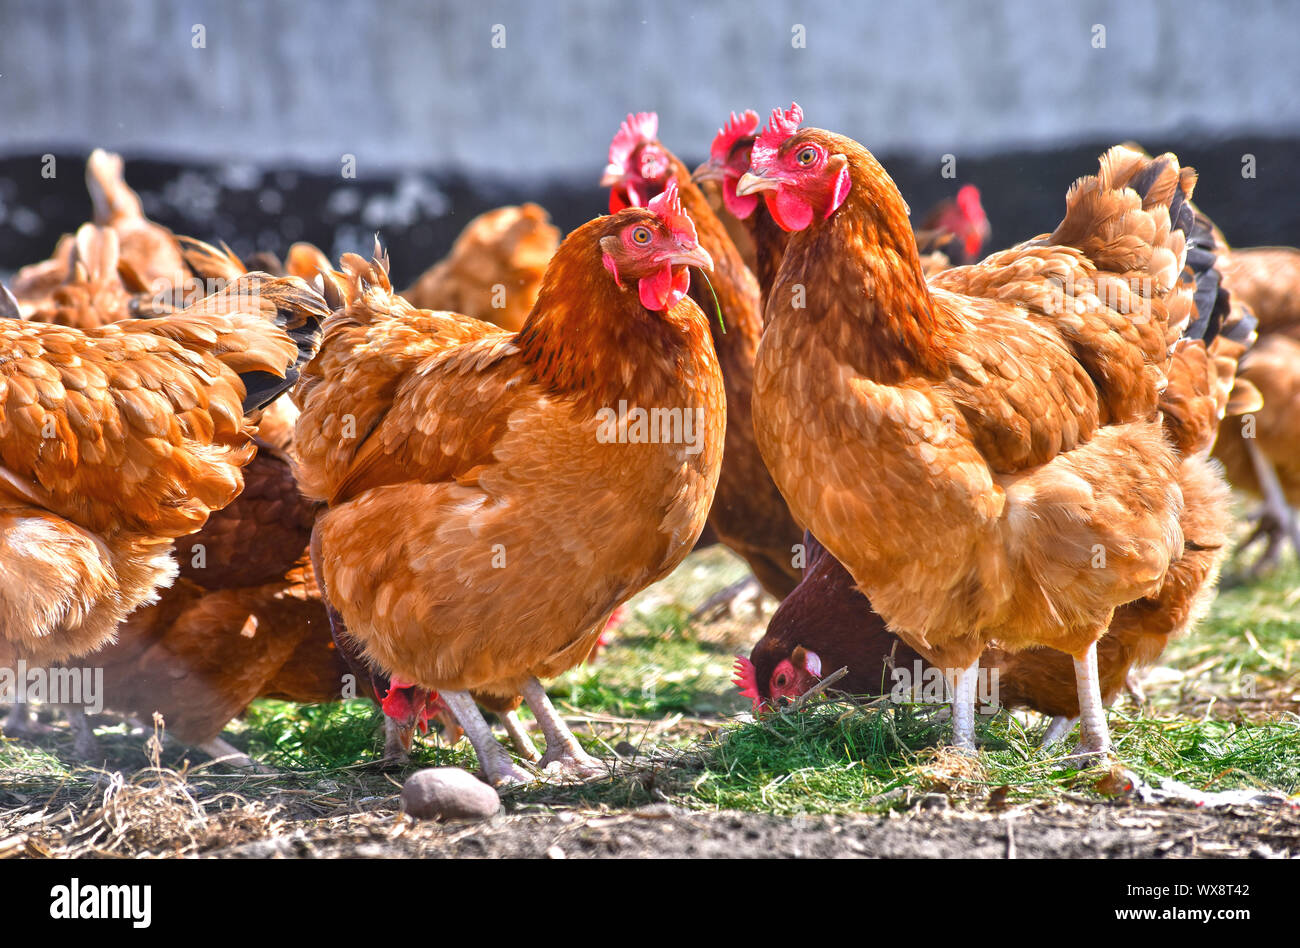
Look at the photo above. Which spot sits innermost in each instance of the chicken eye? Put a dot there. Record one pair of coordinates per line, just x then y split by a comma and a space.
641, 236
806, 156
781, 680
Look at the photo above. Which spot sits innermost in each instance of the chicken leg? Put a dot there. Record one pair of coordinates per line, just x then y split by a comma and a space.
519, 736
963, 706
17, 721
1094, 736
84, 743
498, 768
562, 748
1278, 520
1058, 730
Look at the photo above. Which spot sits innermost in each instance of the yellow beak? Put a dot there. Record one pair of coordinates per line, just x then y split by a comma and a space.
709, 171
752, 183
699, 257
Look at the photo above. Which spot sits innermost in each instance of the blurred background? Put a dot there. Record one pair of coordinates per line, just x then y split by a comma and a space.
239, 119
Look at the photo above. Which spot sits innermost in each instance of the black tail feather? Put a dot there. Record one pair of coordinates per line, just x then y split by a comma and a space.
299, 312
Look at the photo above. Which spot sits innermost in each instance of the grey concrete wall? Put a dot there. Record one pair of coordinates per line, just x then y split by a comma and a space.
407, 83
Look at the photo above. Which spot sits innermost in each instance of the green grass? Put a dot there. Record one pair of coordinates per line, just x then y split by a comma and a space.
1267, 611
331, 736
655, 667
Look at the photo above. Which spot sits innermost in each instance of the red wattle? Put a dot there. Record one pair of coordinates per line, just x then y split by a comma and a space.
654, 290
740, 207
790, 212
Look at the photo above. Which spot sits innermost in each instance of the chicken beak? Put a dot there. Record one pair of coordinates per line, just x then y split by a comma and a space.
694, 257
405, 735
612, 177
751, 183
711, 170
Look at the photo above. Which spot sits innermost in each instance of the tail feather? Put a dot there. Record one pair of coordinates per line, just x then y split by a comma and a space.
209, 262
1213, 302
112, 198
299, 311
268, 363
9, 308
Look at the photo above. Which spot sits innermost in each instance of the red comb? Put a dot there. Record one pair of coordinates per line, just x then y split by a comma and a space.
746, 680
779, 127
968, 199
737, 127
399, 703
636, 130
668, 208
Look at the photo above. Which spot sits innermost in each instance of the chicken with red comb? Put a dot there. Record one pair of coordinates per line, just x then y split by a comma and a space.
728, 162
958, 227
989, 464
748, 514
498, 497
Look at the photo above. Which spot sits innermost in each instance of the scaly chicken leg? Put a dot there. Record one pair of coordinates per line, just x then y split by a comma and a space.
84, 742
562, 748
1278, 519
1094, 736
519, 737
1058, 730
498, 768
963, 707
16, 720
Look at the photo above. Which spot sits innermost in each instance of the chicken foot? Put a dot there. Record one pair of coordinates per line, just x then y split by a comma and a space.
223, 752
498, 768
562, 748
1094, 736
745, 594
1278, 520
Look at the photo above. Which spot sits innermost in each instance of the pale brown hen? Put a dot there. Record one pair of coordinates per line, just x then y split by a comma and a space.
984, 452
828, 624
1261, 454
91, 293
116, 441
491, 499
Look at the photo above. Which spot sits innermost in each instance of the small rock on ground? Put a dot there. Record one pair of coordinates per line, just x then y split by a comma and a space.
448, 793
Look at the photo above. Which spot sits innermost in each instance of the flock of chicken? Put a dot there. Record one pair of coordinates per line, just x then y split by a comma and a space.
220, 484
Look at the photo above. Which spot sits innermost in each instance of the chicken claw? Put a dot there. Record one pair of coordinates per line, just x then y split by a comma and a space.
498, 769
563, 752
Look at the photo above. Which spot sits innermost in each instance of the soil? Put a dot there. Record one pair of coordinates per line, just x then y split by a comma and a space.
660, 830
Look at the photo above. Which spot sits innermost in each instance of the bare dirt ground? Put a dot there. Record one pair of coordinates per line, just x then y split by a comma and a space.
659, 830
